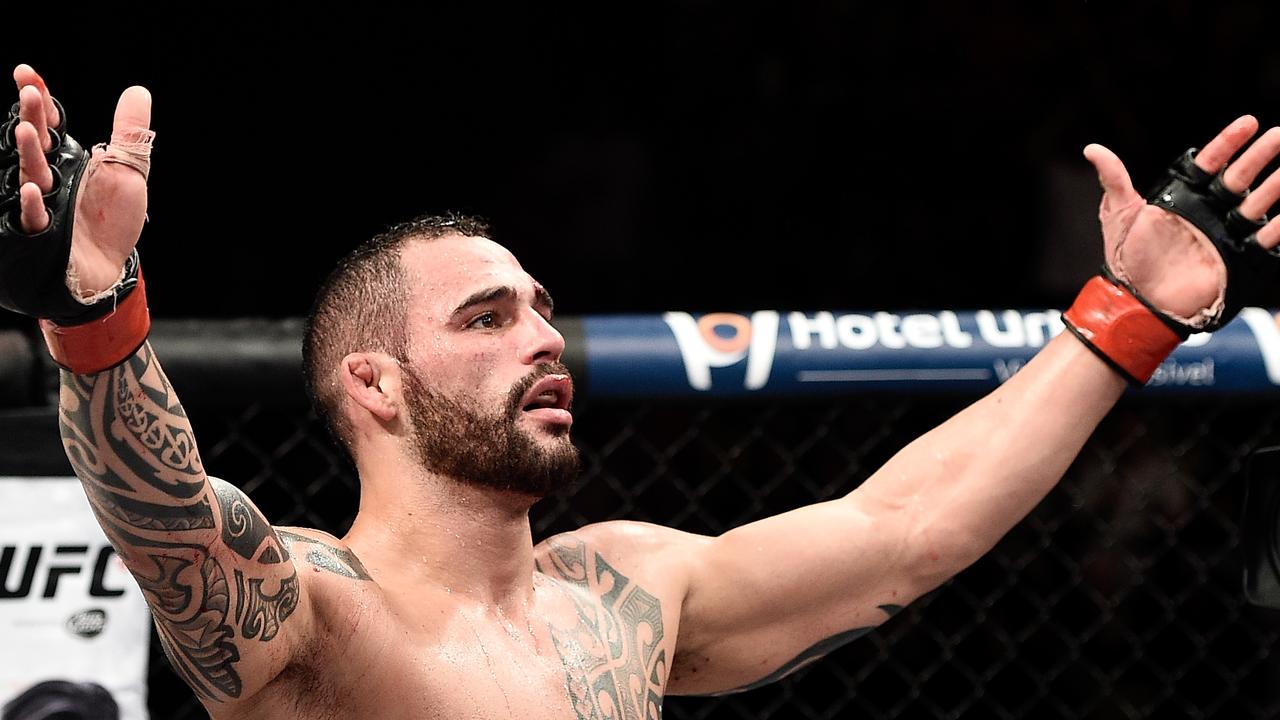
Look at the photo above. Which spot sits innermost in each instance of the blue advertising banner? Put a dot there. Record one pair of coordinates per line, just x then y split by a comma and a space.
770, 353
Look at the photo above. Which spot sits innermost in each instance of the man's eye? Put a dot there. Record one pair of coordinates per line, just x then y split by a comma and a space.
484, 320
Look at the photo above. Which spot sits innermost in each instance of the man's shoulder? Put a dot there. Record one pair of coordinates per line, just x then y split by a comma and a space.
322, 551
639, 549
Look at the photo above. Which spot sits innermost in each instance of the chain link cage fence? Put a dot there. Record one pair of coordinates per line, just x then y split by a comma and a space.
1119, 597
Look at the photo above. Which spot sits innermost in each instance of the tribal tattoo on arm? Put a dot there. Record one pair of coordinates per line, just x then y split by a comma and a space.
814, 653
216, 575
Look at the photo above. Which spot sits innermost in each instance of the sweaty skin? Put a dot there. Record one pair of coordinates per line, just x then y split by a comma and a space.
416, 613
437, 604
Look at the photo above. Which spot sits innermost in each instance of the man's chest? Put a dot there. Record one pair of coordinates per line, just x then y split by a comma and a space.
595, 645
603, 666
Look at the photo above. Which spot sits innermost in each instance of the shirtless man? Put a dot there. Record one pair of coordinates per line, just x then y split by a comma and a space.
432, 354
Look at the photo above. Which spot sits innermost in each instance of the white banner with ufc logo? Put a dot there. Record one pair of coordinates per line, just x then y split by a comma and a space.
71, 617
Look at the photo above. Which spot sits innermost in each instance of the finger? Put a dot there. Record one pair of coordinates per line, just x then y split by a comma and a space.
1240, 174
1269, 236
31, 109
1257, 203
32, 167
25, 75
1111, 173
1263, 197
133, 111
1213, 156
33, 215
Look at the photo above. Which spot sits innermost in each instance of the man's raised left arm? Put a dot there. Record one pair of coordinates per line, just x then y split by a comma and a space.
765, 599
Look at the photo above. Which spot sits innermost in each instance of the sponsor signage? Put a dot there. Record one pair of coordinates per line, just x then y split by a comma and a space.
793, 353
69, 611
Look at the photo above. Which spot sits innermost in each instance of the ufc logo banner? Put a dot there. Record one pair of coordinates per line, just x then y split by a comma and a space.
68, 608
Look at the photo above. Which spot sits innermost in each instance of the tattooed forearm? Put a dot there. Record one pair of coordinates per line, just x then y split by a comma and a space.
153, 516
212, 569
123, 429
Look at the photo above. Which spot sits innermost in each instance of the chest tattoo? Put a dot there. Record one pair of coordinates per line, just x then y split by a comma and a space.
614, 664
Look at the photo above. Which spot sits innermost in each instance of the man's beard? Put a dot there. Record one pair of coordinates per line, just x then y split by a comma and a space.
454, 439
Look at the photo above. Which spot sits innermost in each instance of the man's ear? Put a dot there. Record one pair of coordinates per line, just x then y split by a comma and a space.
372, 381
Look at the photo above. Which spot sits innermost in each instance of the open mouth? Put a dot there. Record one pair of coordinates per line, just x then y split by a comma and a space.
553, 391
550, 398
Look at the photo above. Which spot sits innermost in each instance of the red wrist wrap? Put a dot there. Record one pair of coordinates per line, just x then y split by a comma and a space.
104, 343
1120, 329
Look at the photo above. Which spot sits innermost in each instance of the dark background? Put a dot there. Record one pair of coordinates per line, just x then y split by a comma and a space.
700, 156
689, 155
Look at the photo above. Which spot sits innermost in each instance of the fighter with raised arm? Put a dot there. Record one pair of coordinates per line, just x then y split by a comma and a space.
214, 572
432, 355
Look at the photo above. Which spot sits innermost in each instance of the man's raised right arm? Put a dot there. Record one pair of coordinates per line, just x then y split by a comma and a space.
220, 583
222, 586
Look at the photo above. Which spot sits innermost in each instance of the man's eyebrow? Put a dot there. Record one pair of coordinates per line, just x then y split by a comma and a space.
543, 298
480, 297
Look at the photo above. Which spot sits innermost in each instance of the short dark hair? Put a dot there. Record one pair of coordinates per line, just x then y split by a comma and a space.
361, 307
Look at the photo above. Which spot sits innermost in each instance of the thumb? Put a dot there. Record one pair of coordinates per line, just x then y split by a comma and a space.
130, 134
1111, 173
133, 113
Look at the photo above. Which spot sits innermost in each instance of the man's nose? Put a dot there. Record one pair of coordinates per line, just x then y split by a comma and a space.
543, 344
